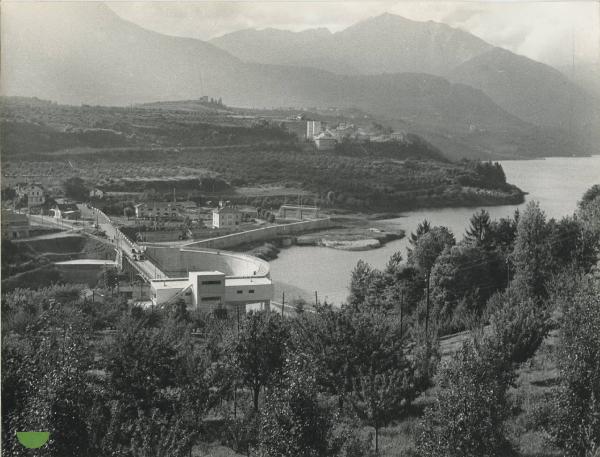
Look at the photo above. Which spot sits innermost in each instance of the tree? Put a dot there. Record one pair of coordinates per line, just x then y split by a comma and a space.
345, 343
379, 398
293, 423
572, 244
45, 385
588, 214
361, 281
426, 251
576, 425
467, 416
593, 193
461, 283
479, 229
259, 353
503, 233
532, 255
422, 229
128, 212
157, 387
76, 189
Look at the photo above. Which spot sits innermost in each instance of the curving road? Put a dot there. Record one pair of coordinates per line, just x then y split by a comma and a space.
114, 237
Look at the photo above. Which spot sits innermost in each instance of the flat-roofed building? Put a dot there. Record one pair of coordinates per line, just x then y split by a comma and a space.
160, 210
211, 290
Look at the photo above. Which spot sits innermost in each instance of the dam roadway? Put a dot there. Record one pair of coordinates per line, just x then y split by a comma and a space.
114, 237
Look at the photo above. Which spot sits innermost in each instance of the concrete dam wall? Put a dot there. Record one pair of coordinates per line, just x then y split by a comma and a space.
177, 261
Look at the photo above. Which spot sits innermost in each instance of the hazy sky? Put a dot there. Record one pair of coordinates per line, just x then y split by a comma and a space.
545, 31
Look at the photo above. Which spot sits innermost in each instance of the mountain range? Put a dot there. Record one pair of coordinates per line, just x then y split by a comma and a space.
465, 96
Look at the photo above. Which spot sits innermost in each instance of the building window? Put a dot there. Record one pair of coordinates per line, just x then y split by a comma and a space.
208, 283
240, 291
210, 299
188, 293
251, 291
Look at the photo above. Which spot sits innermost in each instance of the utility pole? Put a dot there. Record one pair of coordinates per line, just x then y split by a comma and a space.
282, 303
427, 307
316, 298
401, 306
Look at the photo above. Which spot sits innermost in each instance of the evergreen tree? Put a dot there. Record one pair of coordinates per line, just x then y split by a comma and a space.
461, 283
422, 229
532, 255
479, 230
426, 251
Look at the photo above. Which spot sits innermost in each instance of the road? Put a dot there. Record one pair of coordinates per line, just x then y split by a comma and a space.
114, 237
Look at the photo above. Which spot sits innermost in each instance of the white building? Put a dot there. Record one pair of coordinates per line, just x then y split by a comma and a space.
226, 216
313, 128
34, 192
210, 290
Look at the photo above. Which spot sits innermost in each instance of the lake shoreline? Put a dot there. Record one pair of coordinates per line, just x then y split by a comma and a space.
328, 271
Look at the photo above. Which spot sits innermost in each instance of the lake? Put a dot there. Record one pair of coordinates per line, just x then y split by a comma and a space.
556, 183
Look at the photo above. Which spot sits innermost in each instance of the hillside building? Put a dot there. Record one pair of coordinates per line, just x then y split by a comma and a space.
33, 192
158, 210
226, 216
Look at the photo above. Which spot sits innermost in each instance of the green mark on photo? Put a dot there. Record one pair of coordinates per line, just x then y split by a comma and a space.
33, 440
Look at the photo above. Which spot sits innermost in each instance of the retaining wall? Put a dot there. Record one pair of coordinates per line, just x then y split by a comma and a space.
261, 234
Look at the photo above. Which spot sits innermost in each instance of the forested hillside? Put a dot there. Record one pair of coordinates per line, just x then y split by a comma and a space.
105, 146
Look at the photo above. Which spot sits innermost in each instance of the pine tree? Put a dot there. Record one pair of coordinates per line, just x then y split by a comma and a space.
479, 231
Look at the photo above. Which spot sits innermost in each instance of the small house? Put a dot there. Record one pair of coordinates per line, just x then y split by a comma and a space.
226, 216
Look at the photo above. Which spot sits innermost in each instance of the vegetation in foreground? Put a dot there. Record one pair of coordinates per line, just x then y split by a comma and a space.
370, 378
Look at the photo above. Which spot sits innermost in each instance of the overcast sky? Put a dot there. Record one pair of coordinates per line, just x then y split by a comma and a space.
545, 31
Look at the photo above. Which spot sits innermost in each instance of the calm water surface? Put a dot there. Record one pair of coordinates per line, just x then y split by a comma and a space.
556, 183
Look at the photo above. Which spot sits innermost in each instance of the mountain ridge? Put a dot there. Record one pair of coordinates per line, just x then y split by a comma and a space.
535, 92
114, 62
